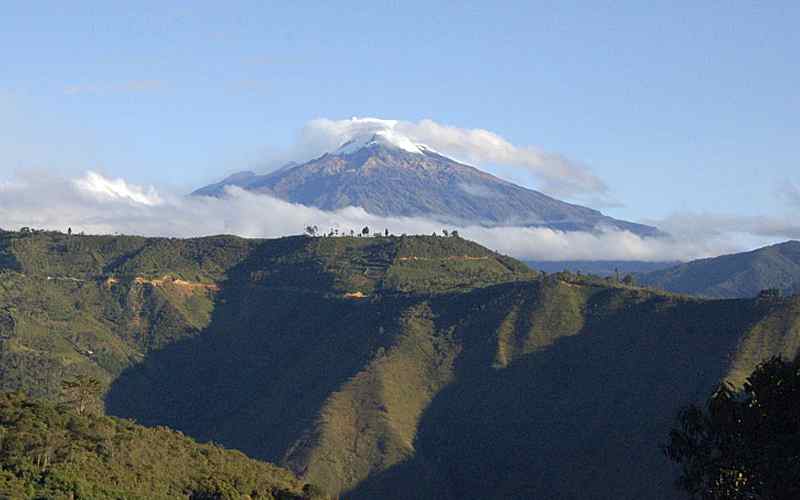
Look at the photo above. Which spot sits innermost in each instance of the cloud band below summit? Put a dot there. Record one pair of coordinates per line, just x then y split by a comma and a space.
50, 202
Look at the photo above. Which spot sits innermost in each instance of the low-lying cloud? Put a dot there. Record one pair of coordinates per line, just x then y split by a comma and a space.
699, 225
97, 204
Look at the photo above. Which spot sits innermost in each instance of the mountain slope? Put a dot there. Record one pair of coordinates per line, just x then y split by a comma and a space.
737, 275
414, 181
563, 388
400, 367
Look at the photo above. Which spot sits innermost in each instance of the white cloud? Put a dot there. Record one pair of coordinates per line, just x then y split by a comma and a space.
478, 146
96, 204
117, 189
698, 225
557, 175
548, 244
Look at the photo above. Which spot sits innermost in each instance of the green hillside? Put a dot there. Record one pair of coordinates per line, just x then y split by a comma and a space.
49, 451
96, 305
738, 275
575, 380
397, 367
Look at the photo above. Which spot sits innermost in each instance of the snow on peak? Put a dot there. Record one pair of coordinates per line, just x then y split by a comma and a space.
374, 131
385, 138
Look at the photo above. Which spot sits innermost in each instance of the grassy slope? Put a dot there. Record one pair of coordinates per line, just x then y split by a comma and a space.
459, 373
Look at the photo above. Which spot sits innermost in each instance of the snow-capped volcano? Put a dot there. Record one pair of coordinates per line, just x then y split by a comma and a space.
389, 174
376, 132
385, 138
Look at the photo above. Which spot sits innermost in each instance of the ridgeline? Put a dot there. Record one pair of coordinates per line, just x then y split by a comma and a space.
739, 275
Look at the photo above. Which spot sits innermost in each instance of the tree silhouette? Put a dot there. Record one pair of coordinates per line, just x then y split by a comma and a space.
769, 293
83, 393
745, 444
365, 231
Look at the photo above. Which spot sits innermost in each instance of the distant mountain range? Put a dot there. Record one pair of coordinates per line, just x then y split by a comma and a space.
733, 276
389, 175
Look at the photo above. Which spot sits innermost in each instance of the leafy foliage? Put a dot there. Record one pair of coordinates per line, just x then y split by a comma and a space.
82, 393
47, 451
83, 257
745, 444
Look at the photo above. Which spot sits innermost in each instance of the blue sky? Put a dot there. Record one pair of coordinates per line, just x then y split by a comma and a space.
682, 106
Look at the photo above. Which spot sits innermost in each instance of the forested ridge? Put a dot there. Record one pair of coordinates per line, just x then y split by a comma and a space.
372, 365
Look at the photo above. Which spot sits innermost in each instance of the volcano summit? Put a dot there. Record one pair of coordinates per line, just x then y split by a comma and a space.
388, 174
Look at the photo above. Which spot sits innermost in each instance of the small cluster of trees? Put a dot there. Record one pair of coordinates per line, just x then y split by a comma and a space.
770, 293
27, 231
333, 232
577, 276
83, 394
744, 444
41, 445
452, 233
